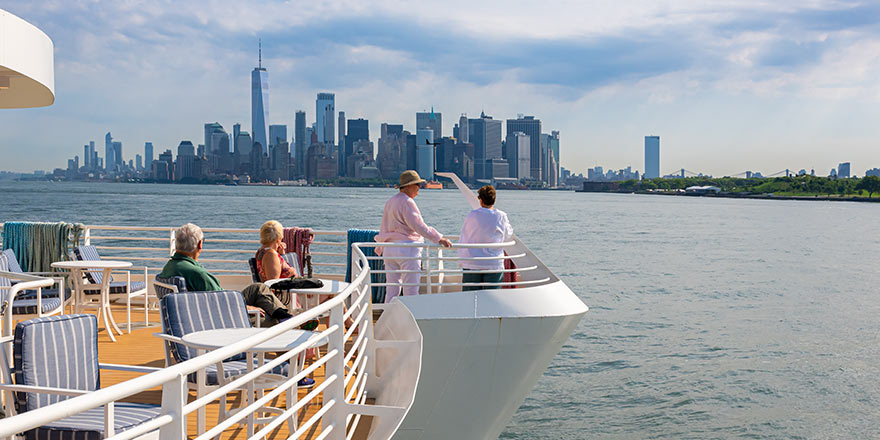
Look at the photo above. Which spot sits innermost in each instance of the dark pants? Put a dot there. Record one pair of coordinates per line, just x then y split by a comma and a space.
259, 295
494, 277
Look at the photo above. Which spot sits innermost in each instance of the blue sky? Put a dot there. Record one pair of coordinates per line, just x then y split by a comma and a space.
728, 86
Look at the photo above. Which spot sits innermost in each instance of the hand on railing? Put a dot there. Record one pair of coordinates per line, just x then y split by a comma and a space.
445, 242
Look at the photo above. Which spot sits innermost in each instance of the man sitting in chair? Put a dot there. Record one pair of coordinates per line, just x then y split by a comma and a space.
184, 263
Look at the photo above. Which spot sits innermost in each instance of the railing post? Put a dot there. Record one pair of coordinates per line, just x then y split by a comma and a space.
335, 392
87, 239
171, 244
174, 396
426, 268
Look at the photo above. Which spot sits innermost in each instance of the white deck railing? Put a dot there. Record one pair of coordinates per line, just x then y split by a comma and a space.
349, 369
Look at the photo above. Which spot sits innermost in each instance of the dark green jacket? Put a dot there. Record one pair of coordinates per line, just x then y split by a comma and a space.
198, 279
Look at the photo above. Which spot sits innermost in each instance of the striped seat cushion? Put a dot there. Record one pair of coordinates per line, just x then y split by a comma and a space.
29, 306
89, 424
12, 261
188, 312
55, 351
47, 293
232, 369
90, 253
180, 282
119, 287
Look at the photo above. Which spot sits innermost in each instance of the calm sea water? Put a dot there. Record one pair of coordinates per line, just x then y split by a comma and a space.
710, 318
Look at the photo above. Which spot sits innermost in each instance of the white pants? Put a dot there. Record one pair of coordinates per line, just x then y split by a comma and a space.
392, 262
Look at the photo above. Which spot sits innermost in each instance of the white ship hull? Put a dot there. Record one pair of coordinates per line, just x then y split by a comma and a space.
482, 354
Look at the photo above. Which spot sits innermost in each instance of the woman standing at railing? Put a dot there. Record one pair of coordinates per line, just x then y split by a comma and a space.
402, 223
484, 225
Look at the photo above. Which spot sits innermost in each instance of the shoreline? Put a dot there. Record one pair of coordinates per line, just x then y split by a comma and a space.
767, 197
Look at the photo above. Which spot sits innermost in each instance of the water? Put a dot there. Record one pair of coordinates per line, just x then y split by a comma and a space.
710, 318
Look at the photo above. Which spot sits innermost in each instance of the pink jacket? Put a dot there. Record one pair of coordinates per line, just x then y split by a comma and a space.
402, 222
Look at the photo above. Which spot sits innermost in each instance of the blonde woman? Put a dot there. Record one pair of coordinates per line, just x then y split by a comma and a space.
270, 264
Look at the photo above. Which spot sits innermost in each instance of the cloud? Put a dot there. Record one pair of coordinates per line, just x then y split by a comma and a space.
157, 70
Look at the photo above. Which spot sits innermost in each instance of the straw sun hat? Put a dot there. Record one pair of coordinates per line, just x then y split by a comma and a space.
409, 177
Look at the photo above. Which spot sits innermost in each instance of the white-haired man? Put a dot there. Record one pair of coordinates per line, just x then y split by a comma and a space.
188, 241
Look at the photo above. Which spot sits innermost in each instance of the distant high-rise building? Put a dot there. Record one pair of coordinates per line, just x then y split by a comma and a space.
531, 127
341, 127
391, 155
518, 155
485, 134
109, 158
652, 157
117, 154
843, 170
301, 142
260, 104
554, 149
277, 134
425, 153
148, 153
187, 166
137, 162
325, 114
86, 156
431, 121
210, 129
463, 129
357, 129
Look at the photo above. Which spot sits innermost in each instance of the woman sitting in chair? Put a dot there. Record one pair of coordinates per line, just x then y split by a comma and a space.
270, 264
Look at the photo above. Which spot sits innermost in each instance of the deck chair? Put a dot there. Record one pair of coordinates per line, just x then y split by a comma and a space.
167, 286
119, 290
218, 309
29, 303
14, 266
44, 349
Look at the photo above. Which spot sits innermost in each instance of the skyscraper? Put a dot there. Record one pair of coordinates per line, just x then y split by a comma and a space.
325, 113
485, 134
117, 155
425, 153
357, 129
109, 160
652, 157
148, 154
300, 142
431, 121
260, 104
518, 155
463, 128
843, 170
87, 156
531, 127
277, 134
341, 127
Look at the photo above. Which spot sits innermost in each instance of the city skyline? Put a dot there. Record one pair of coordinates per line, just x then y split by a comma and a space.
752, 87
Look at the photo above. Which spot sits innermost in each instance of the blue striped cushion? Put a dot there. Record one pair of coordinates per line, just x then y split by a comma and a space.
232, 369
89, 424
29, 306
12, 261
4, 282
55, 351
255, 273
180, 282
47, 293
89, 253
119, 287
190, 312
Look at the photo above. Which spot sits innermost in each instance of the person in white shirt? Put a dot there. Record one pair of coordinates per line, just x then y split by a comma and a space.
484, 225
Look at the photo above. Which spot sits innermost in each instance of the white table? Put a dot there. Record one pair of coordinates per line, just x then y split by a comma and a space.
330, 288
218, 338
78, 269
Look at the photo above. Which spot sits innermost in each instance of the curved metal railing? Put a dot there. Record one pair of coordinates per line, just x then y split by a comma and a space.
349, 363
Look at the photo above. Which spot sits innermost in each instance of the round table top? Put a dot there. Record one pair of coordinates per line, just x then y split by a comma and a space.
91, 264
221, 337
330, 287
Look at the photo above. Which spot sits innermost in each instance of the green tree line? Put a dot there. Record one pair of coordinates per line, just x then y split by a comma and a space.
795, 185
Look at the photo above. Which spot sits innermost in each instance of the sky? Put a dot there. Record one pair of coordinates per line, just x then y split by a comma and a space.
728, 86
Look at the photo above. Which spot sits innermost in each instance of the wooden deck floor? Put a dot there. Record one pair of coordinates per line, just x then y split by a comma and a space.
140, 347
